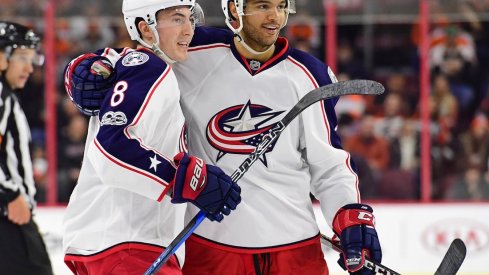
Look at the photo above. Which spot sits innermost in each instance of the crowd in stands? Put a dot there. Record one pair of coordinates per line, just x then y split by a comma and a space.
382, 133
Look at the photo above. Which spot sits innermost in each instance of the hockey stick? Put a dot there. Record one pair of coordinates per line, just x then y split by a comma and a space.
358, 87
376, 267
453, 258
450, 264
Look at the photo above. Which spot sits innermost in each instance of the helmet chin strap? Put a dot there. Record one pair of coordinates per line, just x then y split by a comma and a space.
156, 48
162, 54
248, 48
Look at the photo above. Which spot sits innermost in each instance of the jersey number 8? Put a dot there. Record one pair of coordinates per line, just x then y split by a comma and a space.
118, 94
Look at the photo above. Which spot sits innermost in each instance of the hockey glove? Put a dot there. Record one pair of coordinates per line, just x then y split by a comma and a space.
355, 225
88, 78
204, 185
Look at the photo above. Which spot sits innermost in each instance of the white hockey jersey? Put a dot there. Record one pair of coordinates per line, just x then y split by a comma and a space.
118, 201
229, 103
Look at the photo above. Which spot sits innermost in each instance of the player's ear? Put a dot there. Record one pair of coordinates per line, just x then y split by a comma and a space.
232, 10
145, 31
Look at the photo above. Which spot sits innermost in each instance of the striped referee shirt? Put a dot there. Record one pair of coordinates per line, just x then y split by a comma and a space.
16, 173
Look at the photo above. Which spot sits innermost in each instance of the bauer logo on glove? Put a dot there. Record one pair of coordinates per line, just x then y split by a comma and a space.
204, 185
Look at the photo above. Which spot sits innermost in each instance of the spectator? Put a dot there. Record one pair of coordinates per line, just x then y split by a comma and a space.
475, 142
71, 148
373, 148
453, 54
390, 124
472, 185
444, 107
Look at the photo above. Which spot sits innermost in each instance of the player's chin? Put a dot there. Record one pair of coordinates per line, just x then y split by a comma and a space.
180, 55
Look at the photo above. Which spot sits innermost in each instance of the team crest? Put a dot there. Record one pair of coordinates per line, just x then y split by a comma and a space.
239, 129
134, 59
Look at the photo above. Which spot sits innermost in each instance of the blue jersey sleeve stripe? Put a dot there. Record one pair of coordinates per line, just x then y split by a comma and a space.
316, 85
149, 96
121, 143
318, 73
128, 166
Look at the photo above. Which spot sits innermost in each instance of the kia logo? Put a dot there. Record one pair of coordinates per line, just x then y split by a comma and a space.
438, 236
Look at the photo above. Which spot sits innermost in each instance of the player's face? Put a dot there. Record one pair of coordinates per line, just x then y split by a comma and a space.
20, 66
262, 22
176, 28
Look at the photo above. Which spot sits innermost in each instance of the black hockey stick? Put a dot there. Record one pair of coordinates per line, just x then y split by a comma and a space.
350, 87
453, 258
376, 267
450, 264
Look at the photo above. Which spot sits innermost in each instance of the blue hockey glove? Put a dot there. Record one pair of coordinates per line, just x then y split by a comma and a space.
204, 185
355, 225
88, 78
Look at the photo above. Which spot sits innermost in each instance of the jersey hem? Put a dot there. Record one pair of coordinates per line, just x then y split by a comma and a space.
111, 250
253, 250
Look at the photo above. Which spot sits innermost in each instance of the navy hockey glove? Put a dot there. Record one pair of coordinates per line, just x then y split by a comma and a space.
204, 185
88, 78
355, 225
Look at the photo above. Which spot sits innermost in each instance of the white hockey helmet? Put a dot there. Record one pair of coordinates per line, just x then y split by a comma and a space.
240, 4
147, 10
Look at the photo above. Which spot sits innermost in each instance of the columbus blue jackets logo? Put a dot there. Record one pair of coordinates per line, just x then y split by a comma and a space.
239, 129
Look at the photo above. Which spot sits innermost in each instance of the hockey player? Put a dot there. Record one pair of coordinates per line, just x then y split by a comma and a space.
234, 87
118, 217
22, 248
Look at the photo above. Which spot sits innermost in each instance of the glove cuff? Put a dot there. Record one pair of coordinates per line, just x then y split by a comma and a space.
351, 215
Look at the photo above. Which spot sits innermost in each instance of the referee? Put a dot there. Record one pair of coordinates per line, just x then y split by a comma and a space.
22, 249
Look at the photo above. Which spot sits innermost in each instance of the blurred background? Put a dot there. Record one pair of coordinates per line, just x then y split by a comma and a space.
422, 147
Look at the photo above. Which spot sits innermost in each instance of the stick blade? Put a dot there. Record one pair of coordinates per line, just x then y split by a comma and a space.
453, 259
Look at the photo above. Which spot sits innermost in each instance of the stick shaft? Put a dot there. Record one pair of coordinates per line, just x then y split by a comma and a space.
378, 268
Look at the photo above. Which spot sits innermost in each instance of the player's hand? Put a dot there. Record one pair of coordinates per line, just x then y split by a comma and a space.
204, 185
88, 78
19, 211
355, 225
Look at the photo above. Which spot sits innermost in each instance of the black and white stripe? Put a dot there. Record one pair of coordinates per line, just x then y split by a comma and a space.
16, 173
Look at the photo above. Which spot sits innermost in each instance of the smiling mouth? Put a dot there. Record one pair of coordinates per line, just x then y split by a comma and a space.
183, 44
271, 29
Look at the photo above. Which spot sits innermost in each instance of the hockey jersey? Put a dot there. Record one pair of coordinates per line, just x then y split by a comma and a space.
229, 102
119, 198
